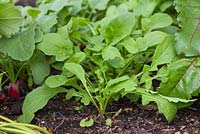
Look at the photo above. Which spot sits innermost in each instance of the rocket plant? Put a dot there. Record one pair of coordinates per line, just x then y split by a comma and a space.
101, 51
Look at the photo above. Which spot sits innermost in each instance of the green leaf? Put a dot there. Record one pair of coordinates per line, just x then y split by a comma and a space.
72, 93
76, 6
130, 45
21, 46
85, 99
149, 40
98, 4
86, 123
165, 107
128, 86
116, 80
36, 100
143, 43
177, 100
54, 44
158, 20
113, 57
10, 19
164, 53
165, 5
145, 7
108, 122
4, 1
114, 11
146, 78
183, 80
39, 67
38, 35
187, 37
55, 81
118, 29
33, 12
46, 22
77, 57
77, 70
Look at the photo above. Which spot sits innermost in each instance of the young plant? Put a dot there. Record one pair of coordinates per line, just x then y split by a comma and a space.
103, 56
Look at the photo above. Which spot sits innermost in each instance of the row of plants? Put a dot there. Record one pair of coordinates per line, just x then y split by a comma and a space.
99, 51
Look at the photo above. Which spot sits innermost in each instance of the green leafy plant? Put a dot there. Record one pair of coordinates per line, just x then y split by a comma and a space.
103, 67
101, 51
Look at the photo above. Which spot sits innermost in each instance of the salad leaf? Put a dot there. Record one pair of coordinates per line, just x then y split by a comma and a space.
77, 70
56, 81
98, 4
165, 52
46, 22
154, 22
113, 57
145, 8
21, 46
187, 37
165, 107
118, 29
36, 100
183, 79
55, 45
143, 43
39, 67
10, 19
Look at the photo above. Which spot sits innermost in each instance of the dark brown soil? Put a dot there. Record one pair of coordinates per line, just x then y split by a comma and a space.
60, 117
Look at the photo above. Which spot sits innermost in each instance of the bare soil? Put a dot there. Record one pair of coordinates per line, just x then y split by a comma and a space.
60, 117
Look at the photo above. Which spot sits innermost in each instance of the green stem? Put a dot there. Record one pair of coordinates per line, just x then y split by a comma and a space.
12, 72
20, 69
24, 127
13, 130
8, 65
92, 99
103, 108
126, 66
